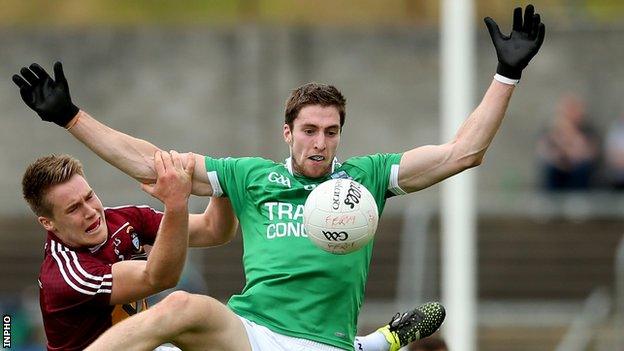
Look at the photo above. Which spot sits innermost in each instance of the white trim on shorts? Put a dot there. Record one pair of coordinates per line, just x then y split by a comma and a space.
262, 338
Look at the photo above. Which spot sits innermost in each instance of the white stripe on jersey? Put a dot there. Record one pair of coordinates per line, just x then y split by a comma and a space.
64, 253
73, 273
217, 191
86, 274
393, 182
120, 228
69, 282
65, 266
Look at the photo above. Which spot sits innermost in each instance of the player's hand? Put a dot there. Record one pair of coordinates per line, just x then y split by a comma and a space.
46, 96
516, 50
174, 178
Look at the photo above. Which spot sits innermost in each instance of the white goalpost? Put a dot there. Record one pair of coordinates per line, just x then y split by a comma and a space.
458, 210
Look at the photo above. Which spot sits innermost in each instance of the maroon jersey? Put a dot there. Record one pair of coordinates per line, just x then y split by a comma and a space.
76, 284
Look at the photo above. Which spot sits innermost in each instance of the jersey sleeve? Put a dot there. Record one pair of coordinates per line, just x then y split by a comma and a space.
71, 279
383, 170
228, 177
149, 222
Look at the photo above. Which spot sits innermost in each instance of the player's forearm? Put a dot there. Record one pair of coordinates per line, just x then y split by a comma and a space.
133, 156
202, 232
477, 132
166, 260
216, 226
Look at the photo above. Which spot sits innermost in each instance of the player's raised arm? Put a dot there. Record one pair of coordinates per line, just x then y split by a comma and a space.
134, 280
427, 165
132, 156
51, 100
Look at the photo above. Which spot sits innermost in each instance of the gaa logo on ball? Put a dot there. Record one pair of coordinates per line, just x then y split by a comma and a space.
340, 216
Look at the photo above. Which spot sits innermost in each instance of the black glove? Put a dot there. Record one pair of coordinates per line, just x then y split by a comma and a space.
49, 98
516, 50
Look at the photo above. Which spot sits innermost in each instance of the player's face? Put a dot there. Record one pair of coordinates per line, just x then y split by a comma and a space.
77, 214
313, 140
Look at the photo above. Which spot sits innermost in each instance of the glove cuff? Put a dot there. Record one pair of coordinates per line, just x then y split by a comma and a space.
65, 116
73, 121
506, 80
72, 112
508, 72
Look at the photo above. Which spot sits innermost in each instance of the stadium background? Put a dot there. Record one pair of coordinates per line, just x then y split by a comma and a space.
212, 76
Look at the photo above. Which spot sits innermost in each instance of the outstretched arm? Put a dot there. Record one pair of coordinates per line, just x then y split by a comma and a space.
427, 165
51, 100
424, 166
133, 156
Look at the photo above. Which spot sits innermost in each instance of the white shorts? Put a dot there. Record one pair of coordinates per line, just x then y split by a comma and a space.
262, 338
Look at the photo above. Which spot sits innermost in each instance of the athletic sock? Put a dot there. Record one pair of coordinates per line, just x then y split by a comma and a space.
375, 341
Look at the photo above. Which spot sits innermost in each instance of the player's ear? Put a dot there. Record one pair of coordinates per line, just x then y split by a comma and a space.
47, 223
287, 134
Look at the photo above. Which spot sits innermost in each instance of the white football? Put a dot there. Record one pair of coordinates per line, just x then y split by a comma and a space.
340, 216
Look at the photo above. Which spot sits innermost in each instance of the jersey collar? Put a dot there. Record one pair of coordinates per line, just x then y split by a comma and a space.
93, 249
98, 246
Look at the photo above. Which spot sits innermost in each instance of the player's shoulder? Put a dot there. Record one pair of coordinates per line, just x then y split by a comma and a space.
67, 270
58, 253
255, 160
131, 218
124, 209
245, 162
371, 159
251, 163
118, 215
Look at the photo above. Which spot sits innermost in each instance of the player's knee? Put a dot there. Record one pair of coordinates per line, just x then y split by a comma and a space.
185, 311
177, 301
172, 310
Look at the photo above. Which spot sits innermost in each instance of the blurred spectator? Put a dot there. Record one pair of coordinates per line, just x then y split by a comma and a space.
432, 343
614, 154
569, 151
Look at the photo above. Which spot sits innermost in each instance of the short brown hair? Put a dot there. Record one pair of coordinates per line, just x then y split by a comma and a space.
314, 94
44, 173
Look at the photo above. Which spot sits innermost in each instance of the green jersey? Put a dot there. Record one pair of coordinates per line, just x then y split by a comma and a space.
291, 286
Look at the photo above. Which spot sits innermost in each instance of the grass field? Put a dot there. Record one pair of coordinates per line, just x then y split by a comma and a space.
323, 12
